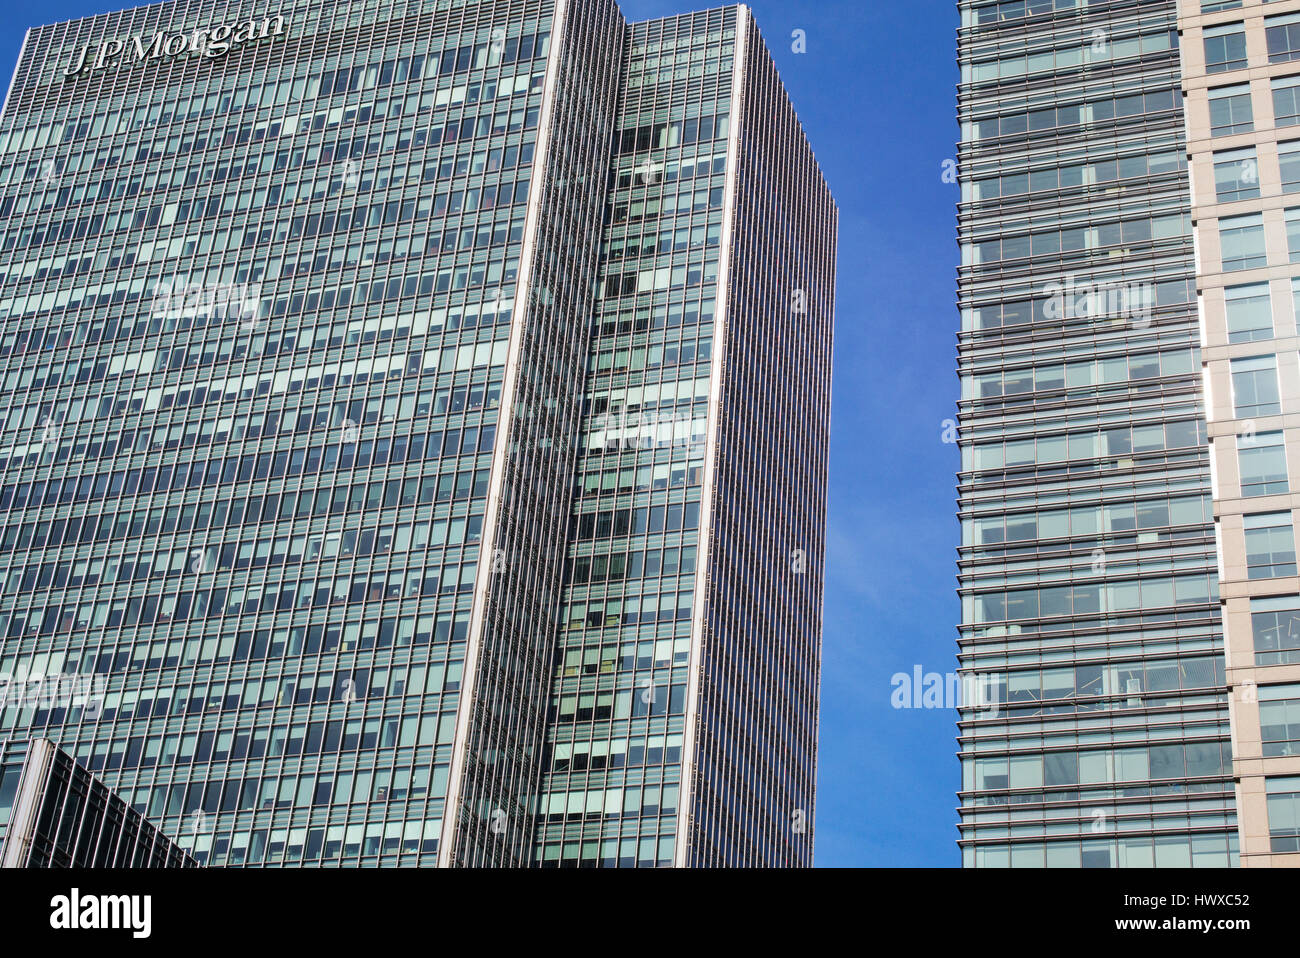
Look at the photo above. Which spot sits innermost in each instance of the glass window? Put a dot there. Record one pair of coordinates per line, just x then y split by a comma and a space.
1225, 47
1283, 36
1275, 622
1254, 387
9, 776
1262, 460
1293, 234
1284, 813
1249, 312
1279, 719
1270, 545
1236, 175
1288, 161
1286, 101
1231, 110
1241, 239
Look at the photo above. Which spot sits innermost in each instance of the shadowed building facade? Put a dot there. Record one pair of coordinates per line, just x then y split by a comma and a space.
55, 814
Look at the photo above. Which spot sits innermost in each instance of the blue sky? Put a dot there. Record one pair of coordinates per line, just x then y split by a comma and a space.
875, 91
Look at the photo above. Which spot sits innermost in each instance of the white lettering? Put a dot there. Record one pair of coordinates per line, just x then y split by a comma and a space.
209, 42
75, 911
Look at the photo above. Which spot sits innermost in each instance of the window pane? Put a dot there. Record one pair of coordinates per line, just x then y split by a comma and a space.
1249, 312
1254, 387
1262, 460
1242, 242
1236, 175
1275, 622
1270, 546
1283, 35
1288, 161
1231, 110
1225, 48
1286, 101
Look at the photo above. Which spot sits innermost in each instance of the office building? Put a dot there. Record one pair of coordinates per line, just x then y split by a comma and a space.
1241, 82
55, 814
702, 478
417, 416
1091, 618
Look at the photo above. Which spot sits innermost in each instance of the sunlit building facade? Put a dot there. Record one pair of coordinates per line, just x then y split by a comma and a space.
687, 667
1098, 734
1241, 80
385, 388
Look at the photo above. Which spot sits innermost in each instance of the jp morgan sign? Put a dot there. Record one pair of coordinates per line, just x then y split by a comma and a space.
210, 42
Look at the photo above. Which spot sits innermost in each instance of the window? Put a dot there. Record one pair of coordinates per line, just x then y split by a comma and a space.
1288, 161
1279, 720
1236, 175
1249, 311
1262, 460
1270, 545
1283, 35
1241, 241
1254, 387
9, 776
1286, 101
1225, 47
1284, 813
1231, 111
1293, 234
1275, 622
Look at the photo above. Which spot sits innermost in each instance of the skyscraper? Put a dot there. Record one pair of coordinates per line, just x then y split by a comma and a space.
54, 814
1241, 81
417, 416
1091, 623
696, 549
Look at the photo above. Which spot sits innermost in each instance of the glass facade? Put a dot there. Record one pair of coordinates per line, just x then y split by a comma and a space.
612, 792
1088, 574
700, 109
363, 426
55, 814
